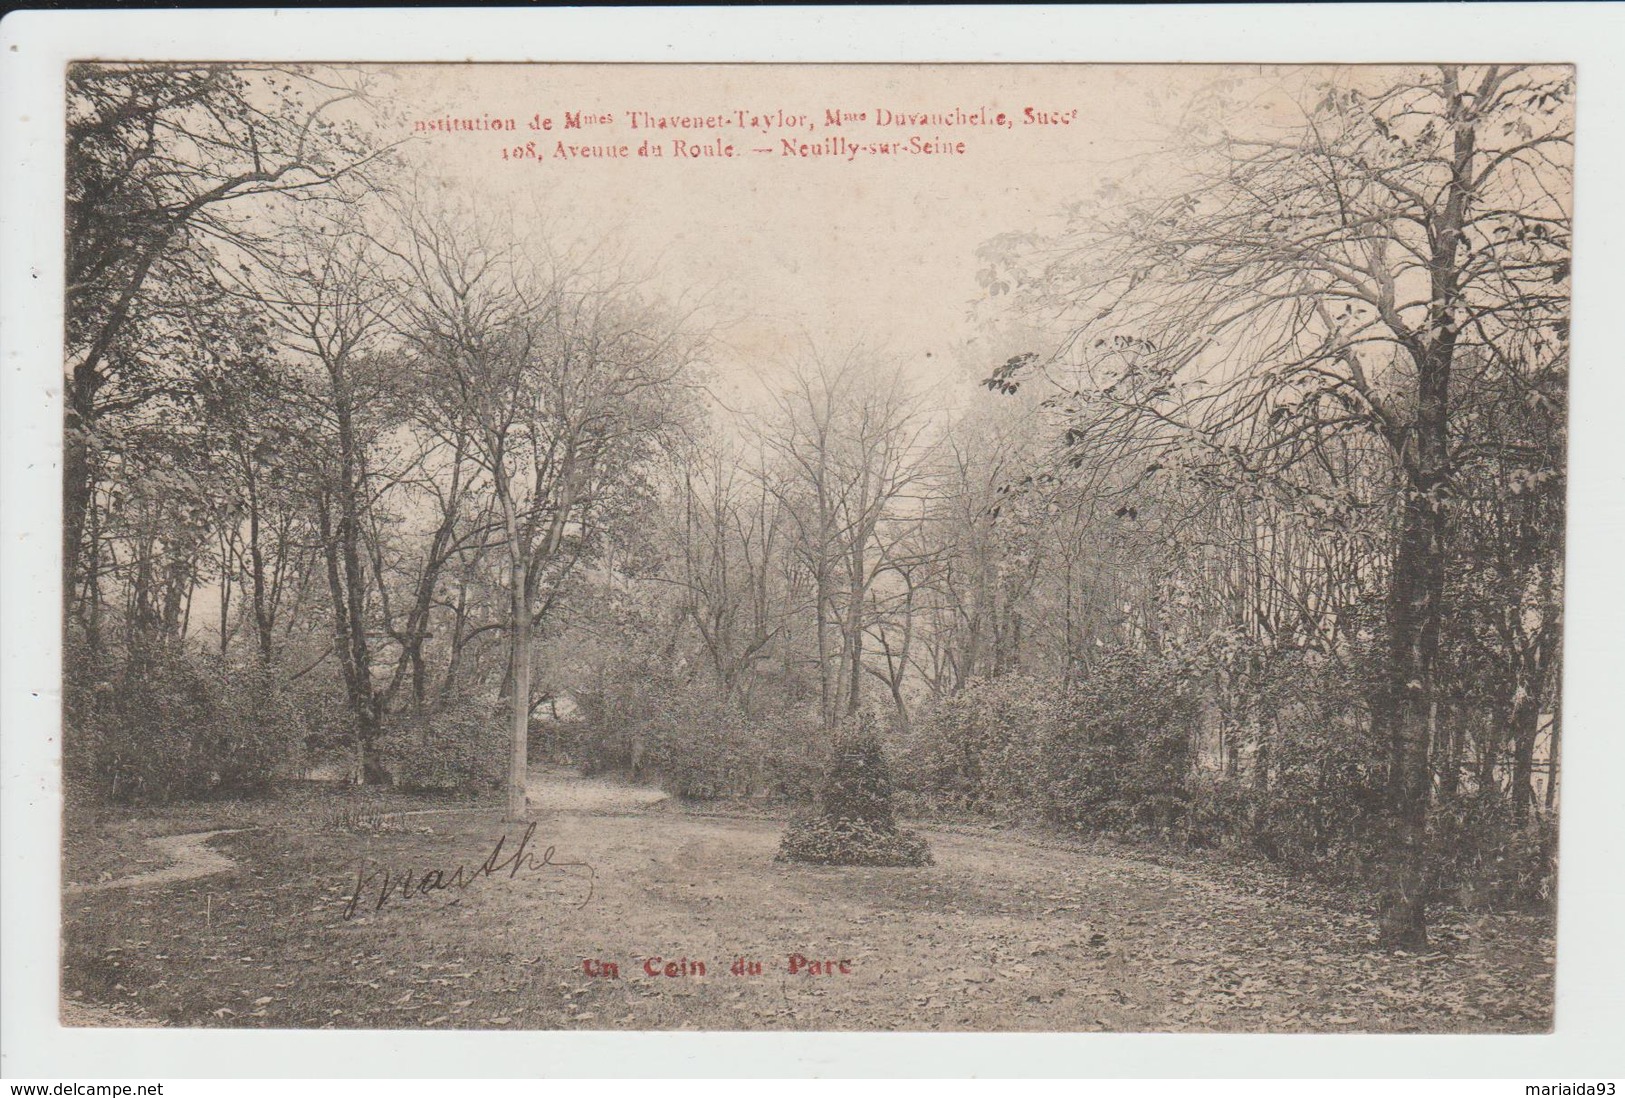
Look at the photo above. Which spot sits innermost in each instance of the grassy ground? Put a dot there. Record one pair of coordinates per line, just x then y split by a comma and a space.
1003, 933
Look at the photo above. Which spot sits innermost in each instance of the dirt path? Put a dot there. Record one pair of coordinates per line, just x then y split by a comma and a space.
1000, 934
188, 856
563, 791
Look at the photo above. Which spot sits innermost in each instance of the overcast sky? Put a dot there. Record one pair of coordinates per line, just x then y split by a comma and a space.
879, 247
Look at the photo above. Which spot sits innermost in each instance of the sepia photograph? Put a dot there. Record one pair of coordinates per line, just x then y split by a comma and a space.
1065, 548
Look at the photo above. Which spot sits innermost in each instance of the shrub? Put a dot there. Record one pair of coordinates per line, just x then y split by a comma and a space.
1119, 755
170, 726
1326, 766
855, 824
828, 840
701, 746
977, 751
1111, 751
619, 701
461, 748
795, 753
691, 738
1484, 858
1219, 814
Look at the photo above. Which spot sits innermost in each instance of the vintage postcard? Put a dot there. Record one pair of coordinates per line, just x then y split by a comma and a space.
890, 547
552, 547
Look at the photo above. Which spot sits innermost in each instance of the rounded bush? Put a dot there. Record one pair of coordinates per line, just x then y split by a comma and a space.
855, 824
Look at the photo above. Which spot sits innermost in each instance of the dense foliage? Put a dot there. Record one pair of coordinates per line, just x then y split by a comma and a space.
170, 727
456, 749
1125, 750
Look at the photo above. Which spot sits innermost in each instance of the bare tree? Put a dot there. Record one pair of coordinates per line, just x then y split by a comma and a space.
732, 536
566, 382
1324, 279
324, 298
849, 439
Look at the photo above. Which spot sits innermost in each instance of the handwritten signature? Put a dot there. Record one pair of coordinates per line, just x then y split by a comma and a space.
408, 883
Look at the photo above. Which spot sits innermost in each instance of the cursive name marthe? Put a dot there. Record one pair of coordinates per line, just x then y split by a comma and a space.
408, 883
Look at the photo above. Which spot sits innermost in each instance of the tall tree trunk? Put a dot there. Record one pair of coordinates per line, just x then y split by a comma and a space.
92, 586
855, 630
454, 657
363, 698
264, 624
1489, 751
1405, 705
1552, 751
1450, 755
826, 687
1416, 591
352, 652
519, 700
1413, 619
78, 486
1261, 751
1532, 668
